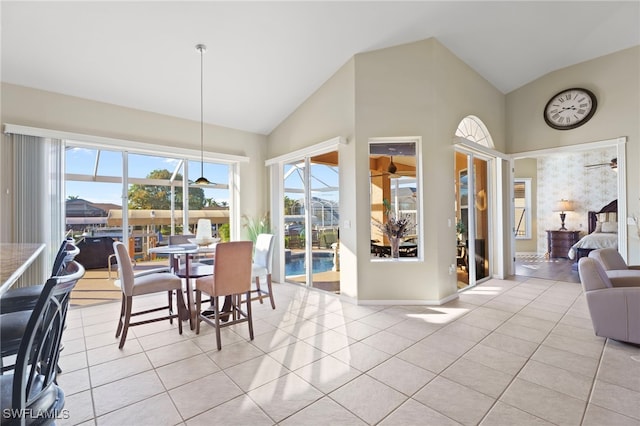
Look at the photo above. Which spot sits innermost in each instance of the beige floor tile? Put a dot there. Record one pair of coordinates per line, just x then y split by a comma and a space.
328, 373
598, 416
162, 338
558, 379
449, 343
361, 356
428, 357
401, 375
455, 401
372, 405
78, 408
284, 396
323, 411
203, 394
256, 372
505, 362
273, 340
548, 404
480, 320
305, 329
465, 331
381, 320
357, 330
414, 413
187, 370
234, 354
74, 346
329, 341
576, 332
240, 411
616, 398
157, 411
119, 368
542, 325
585, 366
101, 328
103, 339
510, 344
72, 362
502, 414
502, 306
414, 329
119, 394
111, 352
591, 349
172, 353
388, 342
619, 367
522, 332
331, 320
478, 377
74, 381
206, 340
297, 355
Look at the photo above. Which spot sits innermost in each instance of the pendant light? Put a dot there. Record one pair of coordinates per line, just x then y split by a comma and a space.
201, 180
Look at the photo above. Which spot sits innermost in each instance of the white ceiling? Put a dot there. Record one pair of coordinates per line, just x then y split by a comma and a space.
265, 58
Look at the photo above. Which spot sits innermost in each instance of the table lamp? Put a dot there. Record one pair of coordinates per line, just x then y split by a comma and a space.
563, 206
203, 232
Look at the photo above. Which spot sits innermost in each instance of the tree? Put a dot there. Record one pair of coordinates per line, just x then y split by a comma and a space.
73, 197
159, 196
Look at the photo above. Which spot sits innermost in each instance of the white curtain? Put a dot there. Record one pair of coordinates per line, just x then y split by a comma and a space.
37, 200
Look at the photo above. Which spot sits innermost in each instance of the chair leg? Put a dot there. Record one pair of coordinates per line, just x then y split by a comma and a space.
216, 320
198, 304
120, 319
273, 303
127, 318
249, 316
258, 289
170, 294
179, 308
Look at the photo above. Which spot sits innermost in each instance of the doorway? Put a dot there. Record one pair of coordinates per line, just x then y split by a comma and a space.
472, 218
311, 221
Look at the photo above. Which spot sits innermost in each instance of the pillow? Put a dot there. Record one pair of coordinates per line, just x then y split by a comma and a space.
610, 227
607, 217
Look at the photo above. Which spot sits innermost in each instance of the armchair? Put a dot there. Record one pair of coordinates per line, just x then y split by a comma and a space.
615, 311
616, 268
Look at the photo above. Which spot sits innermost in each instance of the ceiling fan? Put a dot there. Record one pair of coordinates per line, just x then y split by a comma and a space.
392, 170
613, 164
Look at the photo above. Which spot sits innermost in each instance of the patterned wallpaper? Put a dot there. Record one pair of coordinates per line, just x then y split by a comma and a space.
564, 176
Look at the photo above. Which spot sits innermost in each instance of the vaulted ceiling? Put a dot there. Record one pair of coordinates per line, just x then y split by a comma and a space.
265, 58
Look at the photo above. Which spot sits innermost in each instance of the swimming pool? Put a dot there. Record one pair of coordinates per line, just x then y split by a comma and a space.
321, 262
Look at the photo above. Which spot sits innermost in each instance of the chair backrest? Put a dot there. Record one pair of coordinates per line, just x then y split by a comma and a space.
66, 253
592, 275
232, 268
264, 251
609, 258
125, 268
37, 358
180, 239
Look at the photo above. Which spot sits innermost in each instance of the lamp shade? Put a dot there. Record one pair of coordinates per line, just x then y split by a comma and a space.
563, 206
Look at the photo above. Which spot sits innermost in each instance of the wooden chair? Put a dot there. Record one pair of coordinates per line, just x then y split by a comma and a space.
147, 282
231, 278
261, 267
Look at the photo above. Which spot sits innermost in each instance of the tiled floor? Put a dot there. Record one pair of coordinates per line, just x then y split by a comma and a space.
513, 352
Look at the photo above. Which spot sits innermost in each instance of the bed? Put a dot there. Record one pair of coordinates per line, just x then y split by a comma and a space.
603, 232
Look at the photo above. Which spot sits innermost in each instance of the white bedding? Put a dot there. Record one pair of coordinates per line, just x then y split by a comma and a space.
595, 240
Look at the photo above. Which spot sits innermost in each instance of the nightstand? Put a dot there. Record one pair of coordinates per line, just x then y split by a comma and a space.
559, 242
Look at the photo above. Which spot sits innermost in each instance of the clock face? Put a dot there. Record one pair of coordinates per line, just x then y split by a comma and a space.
570, 108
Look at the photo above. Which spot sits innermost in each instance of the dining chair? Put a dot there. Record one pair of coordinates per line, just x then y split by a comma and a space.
232, 279
30, 395
261, 267
14, 325
146, 282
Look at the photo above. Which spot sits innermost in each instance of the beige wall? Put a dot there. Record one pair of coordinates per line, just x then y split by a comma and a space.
37, 108
418, 89
615, 80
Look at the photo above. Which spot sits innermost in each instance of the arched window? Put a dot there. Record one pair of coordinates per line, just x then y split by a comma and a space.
473, 129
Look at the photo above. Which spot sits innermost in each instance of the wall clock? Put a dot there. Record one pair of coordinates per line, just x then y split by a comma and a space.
570, 108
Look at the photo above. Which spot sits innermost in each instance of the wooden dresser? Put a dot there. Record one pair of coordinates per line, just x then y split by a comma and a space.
559, 242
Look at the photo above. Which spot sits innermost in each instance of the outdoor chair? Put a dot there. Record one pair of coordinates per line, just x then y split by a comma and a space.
261, 267
232, 279
143, 283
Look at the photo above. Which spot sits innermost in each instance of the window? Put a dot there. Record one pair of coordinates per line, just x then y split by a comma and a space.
393, 172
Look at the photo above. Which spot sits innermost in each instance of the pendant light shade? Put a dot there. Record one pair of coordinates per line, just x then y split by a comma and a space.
201, 180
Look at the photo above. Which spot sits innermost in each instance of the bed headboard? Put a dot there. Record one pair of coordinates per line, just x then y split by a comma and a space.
609, 208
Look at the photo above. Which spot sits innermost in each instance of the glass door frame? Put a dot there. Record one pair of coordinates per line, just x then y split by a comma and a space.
276, 177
